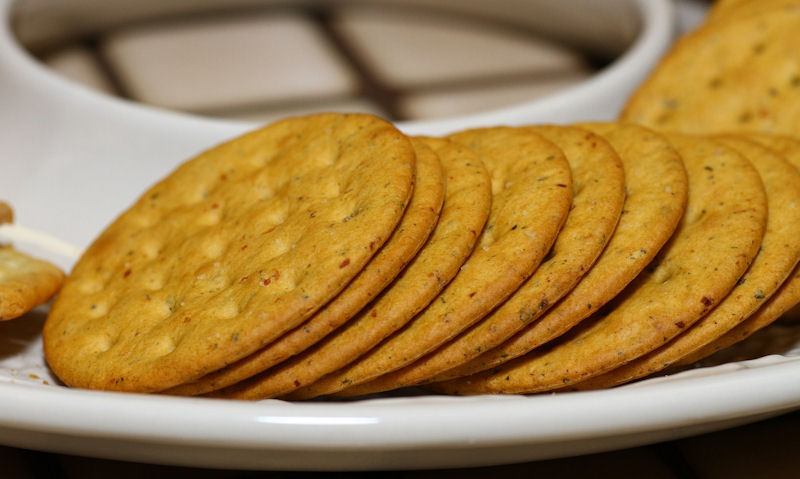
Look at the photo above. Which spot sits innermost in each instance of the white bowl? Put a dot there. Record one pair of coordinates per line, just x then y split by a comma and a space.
78, 138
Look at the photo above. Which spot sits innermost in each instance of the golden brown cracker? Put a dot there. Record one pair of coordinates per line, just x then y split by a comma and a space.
656, 185
714, 244
742, 74
234, 248
777, 256
409, 236
466, 208
598, 184
531, 195
25, 282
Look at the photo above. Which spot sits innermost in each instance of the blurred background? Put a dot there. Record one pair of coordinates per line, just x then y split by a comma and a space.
259, 60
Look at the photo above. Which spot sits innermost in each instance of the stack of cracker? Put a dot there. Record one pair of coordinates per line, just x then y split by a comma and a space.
333, 255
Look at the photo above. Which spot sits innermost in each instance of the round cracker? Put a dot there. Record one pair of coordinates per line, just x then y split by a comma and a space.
466, 208
742, 74
656, 185
598, 184
231, 250
531, 196
714, 244
777, 256
406, 240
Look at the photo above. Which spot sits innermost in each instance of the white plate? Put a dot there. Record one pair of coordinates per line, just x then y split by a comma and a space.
72, 159
418, 431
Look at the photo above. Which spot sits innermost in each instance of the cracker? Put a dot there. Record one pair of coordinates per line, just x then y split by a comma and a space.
742, 74
466, 208
409, 236
25, 282
598, 184
777, 257
531, 195
714, 244
656, 185
230, 251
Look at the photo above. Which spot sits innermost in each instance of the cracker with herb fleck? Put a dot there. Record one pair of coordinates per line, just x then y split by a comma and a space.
777, 257
406, 240
234, 248
656, 186
741, 74
466, 208
598, 183
718, 237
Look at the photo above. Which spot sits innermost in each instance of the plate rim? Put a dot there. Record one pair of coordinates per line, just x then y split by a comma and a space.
438, 421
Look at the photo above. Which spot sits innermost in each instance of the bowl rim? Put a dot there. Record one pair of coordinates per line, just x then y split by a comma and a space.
622, 74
